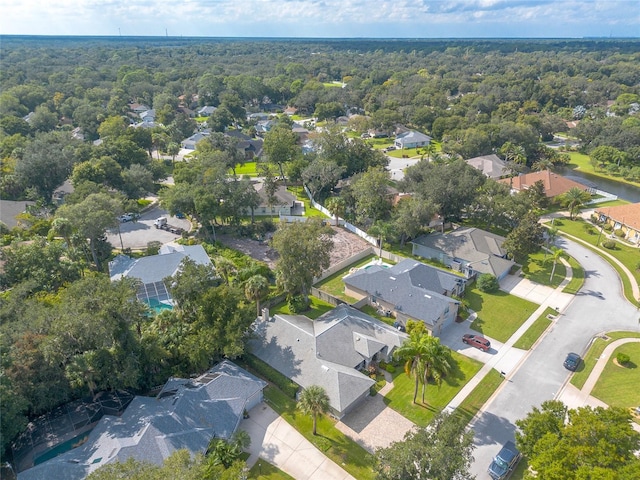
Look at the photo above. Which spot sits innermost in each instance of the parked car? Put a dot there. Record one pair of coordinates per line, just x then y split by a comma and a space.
388, 149
572, 361
127, 217
503, 464
477, 341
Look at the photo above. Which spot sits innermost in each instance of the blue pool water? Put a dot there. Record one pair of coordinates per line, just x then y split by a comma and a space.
61, 448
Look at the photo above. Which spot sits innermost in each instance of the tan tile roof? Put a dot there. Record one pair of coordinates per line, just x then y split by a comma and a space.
628, 214
554, 184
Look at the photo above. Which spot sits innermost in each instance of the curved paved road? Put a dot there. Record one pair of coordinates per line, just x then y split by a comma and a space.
598, 307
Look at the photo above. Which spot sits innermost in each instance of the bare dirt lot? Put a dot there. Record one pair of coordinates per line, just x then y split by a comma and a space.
345, 244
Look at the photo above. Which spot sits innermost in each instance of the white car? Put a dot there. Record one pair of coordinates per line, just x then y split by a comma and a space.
127, 217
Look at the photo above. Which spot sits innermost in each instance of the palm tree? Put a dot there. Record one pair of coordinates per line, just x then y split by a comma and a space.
224, 267
558, 253
575, 198
255, 289
336, 206
382, 230
314, 401
437, 363
225, 452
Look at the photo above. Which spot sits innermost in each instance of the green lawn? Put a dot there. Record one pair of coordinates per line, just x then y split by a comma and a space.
248, 168
400, 398
582, 162
334, 284
618, 386
372, 312
538, 269
538, 327
263, 470
629, 256
499, 314
479, 395
577, 277
302, 197
317, 308
589, 360
333, 443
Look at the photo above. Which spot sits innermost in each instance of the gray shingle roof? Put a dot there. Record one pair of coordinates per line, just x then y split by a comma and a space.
323, 352
416, 289
483, 250
151, 429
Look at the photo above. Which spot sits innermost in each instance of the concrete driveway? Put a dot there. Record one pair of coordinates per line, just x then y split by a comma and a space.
273, 439
136, 235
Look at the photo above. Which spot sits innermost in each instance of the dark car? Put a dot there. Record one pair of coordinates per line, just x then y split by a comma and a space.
572, 361
503, 464
477, 341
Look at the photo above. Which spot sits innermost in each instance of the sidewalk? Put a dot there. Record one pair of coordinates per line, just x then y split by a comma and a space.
274, 440
508, 358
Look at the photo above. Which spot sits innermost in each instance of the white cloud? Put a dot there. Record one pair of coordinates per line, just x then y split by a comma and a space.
313, 17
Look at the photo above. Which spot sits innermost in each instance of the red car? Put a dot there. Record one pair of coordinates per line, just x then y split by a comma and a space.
477, 341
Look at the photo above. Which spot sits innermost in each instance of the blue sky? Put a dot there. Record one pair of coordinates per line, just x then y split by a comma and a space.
323, 18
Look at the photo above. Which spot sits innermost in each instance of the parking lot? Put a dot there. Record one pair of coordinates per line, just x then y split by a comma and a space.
138, 233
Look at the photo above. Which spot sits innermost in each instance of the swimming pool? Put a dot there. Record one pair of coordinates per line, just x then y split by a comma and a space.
61, 448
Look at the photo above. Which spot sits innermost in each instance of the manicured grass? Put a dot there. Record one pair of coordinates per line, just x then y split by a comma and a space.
591, 234
248, 168
618, 385
521, 469
316, 308
479, 395
532, 334
597, 347
538, 269
499, 314
400, 398
263, 470
583, 162
577, 277
334, 284
612, 203
330, 441
302, 197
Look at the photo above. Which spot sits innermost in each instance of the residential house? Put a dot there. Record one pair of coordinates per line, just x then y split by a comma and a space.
290, 111
554, 184
148, 116
138, 108
282, 203
191, 142
9, 211
206, 111
264, 126
254, 117
491, 165
411, 139
409, 290
328, 351
186, 414
471, 251
250, 147
152, 270
622, 217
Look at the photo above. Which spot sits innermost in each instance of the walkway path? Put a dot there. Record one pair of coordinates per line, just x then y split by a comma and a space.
505, 360
274, 440
634, 284
575, 398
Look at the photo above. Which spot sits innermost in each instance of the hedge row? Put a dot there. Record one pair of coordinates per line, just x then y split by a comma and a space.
270, 374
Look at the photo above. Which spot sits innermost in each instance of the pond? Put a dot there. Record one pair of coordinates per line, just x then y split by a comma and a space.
622, 190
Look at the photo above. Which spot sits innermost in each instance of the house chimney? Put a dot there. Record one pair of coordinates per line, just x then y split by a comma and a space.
265, 314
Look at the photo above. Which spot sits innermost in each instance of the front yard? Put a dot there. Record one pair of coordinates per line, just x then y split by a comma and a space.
400, 398
618, 385
499, 314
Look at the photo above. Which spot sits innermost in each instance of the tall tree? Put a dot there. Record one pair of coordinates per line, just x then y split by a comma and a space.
280, 146
583, 443
524, 239
314, 401
443, 450
370, 191
91, 218
336, 206
255, 289
556, 255
574, 199
304, 250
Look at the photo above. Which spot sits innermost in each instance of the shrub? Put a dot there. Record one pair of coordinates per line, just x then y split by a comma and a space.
589, 229
607, 227
298, 304
488, 283
269, 373
622, 358
390, 368
619, 233
609, 244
